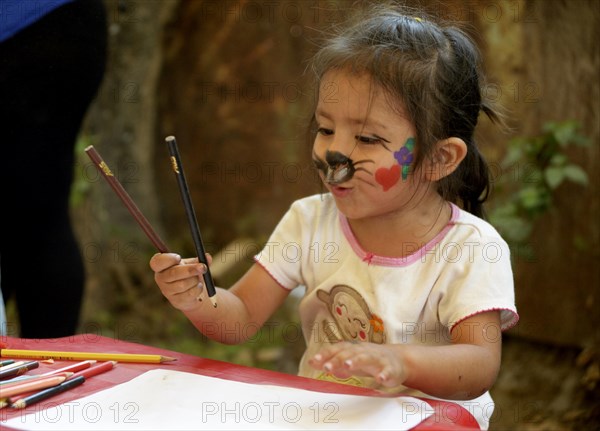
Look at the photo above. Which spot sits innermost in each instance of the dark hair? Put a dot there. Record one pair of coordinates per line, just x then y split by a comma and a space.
430, 71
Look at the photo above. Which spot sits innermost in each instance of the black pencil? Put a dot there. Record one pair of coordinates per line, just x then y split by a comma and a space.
191, 216
47, 393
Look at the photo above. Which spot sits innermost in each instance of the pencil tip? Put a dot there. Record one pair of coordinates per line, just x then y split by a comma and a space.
213, 300
19, 404
167, 359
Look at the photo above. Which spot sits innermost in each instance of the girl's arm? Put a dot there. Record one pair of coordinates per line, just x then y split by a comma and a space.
463, 370
241, 310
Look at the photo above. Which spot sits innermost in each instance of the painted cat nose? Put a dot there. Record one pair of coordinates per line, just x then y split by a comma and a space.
339, 167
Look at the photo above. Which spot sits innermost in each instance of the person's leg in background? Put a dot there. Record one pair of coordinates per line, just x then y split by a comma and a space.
49, 74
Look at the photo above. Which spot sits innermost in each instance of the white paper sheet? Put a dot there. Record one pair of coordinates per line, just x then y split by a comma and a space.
172, 400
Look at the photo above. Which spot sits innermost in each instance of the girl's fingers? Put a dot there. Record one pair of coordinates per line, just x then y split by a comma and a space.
364, 359
189, 260
180, 280
187, 299
325, 354
161, 261
332, 357
181, 272
183, 286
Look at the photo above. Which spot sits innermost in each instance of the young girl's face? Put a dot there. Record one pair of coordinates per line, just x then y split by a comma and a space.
364, 148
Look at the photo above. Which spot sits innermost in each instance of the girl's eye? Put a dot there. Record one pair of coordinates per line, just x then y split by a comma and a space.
369, 139
325, 132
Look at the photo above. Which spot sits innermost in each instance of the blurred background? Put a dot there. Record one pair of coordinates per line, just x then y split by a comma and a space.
227, 78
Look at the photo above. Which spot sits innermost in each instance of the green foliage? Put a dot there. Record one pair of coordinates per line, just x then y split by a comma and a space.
532, 170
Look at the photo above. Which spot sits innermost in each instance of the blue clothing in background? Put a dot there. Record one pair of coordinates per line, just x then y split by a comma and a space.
15, 15
52, 59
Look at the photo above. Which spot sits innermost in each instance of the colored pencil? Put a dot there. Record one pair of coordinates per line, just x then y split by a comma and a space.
47, 393
69, 370
87, 373
177, 167
29, 378
77, 356
95, 370
17, 371
15, 364
31, 385
73, 367
6, 362
124, 196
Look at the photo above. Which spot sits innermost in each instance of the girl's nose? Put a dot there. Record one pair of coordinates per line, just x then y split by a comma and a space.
342, 143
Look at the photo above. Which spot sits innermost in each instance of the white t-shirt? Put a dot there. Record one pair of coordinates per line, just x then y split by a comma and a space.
353, 295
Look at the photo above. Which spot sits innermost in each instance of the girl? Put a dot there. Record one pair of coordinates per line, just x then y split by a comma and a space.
415, 288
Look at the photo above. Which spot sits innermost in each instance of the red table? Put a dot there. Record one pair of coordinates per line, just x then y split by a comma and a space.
446, 416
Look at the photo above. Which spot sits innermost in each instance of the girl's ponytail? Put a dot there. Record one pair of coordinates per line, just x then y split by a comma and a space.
474, 181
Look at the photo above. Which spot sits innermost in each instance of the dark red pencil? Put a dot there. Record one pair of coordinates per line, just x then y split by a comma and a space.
124, 196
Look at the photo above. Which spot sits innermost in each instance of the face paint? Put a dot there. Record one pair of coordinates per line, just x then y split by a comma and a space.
340, 168
387, 177
337, 168
405, 156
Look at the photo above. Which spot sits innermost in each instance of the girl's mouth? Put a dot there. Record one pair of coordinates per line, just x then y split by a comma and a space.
338, 191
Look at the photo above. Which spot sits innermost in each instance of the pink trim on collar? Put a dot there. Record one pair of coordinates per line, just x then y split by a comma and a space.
373, 259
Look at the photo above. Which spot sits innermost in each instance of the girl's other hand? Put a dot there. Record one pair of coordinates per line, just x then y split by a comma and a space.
179, 280
346, 359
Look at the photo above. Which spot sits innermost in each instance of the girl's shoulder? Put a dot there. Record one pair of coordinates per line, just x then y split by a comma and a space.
315, 206
473, 226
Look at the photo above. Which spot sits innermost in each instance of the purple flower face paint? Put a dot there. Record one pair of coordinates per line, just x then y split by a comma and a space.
405, 156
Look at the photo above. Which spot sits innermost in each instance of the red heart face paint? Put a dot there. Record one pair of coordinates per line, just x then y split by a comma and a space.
387, 177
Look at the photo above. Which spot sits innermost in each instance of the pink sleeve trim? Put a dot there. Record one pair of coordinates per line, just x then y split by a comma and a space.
272, 276
505, 324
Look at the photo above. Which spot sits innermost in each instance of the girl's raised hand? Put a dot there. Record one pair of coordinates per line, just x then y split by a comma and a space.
345, 359
179, 280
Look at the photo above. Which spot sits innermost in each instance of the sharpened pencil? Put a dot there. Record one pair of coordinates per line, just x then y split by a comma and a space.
26, 378
31, 385
47, 393
191, 216
95, 370
76, 356
73, 367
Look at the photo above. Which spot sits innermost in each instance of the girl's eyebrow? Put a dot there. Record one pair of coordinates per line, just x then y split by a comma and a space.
359, 121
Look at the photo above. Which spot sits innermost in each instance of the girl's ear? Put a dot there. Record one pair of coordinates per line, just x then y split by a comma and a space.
445, 159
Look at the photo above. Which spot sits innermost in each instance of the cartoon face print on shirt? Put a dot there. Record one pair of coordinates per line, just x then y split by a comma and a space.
353, 319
